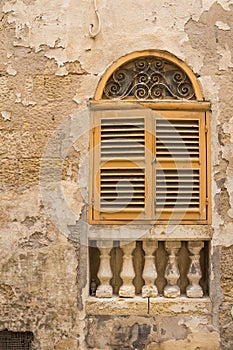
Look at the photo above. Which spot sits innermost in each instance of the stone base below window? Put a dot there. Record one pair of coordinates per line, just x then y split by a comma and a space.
149, 306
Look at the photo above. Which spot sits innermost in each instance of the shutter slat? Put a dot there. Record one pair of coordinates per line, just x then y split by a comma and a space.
110, 172
177, 181
115, 146
174, 136
116, 134
177, 210
123, 195
171, 130
169, 194
119, 141
179, 147
122, 150
178, 154
177, 203
119, 185
122, 127
137, 191
121, 203
162, 187
122, 121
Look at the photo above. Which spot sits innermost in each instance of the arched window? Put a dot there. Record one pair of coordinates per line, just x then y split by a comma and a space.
149, 143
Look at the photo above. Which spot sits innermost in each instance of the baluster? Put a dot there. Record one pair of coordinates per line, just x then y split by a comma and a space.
149, 272
127, 290
104, 290
172, 274
194, 290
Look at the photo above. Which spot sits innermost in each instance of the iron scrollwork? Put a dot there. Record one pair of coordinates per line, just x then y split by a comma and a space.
149, 78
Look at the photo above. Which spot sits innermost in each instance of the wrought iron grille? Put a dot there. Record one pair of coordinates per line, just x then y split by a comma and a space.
149, 78
15, 340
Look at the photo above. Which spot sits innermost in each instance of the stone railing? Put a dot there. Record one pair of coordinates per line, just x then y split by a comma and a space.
149, 268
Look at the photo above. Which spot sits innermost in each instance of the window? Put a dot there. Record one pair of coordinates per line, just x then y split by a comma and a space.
15, 340
149, 147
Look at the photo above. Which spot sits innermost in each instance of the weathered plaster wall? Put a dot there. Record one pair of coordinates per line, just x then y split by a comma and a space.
49, 69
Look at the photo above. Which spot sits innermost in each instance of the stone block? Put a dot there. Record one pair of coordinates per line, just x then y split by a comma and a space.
9, 173
149, 291
117, 306
181, 305
226, 321
199, 340
171, 291
120, 332
194, 291
104, 292
127, 291
29, 170
67, 344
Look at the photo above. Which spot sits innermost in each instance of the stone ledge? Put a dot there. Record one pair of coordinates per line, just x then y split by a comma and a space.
117, 306
158, 232
180, 305
144, 306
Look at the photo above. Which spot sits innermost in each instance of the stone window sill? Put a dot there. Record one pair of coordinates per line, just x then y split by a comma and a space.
148, 306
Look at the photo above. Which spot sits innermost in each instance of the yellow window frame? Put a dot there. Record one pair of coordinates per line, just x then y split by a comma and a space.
175, 110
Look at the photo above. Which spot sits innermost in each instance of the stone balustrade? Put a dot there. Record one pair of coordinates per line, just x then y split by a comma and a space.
149, 268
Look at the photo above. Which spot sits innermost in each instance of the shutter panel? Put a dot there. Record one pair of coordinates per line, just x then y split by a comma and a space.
121, 138
122, 189
148, 166
120, 184
180, 166
177, 138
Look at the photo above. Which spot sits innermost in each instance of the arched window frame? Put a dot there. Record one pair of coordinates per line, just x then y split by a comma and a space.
197, 109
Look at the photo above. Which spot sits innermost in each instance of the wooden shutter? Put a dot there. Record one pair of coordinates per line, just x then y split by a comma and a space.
121, 159
148, 166
180, 167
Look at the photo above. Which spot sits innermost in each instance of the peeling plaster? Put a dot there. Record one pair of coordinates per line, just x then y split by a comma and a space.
11, 71
52, 25
226, 61
34, 21
193, 323
221, 25
225, 4
6, 115
225, 237
228, 128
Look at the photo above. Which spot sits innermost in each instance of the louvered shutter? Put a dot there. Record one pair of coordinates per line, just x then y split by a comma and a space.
180, 167
121, 188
